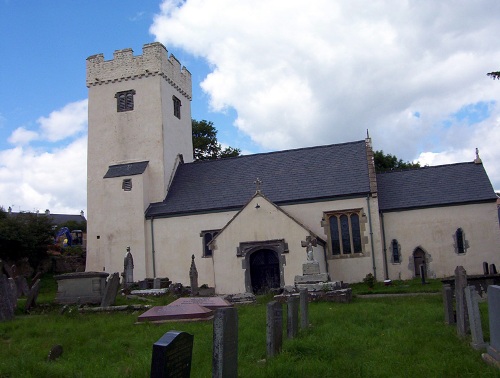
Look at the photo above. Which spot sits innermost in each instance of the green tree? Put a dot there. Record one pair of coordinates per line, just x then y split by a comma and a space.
388, 162
205, 144
494, 75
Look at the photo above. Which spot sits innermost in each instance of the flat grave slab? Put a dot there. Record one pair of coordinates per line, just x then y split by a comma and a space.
172, 312
211, 303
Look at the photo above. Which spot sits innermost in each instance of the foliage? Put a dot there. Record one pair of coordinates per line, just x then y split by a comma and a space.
24, 235
369, 280
388, 162
205, 144
494, 75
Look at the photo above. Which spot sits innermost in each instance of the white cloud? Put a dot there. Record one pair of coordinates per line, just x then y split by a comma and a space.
22, 136
64, 123
324, 73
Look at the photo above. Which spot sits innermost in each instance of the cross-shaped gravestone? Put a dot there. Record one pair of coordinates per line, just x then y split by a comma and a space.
309, 243
258, 183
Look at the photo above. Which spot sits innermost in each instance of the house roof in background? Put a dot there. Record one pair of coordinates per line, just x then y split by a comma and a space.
449, 184
56, 219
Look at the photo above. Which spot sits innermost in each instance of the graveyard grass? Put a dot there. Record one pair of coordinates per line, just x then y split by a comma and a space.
370, 337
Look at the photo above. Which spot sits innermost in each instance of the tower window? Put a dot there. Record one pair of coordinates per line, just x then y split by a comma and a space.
177, 107
127, 185
125, 100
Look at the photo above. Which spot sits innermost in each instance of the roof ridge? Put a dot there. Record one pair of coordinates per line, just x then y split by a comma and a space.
424, 167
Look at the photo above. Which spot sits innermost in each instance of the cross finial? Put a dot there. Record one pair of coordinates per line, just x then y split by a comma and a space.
477, 160
258, 183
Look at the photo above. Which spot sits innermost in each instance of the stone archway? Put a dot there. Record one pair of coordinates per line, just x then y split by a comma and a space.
418, 260
264, 271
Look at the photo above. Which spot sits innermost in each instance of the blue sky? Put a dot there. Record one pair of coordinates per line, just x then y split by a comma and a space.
271, 75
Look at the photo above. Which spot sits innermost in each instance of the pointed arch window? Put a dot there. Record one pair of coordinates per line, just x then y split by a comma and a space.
459, 236
207, 237
344, 231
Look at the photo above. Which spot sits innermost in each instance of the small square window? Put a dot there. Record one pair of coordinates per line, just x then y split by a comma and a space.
177, 107
125, 100
127, 185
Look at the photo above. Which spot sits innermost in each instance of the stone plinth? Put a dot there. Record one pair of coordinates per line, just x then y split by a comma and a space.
312, 278
81, 287
176, 313
310, 267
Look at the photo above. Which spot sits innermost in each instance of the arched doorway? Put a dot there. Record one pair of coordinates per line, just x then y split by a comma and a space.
418, 260
264, 271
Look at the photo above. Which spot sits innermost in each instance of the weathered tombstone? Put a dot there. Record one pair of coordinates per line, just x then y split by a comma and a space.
474, 318
422, 274
493, 269
13, 271
22, 286
55, 352
111, 290
32, 296
157, 283
292, 320
485, 268
193, 277
274, 327
13, 292
225, 349
461, 304
8, 270
6, 305
128, 269
172, 355
37, 276
494, 315
449, 315
304, 308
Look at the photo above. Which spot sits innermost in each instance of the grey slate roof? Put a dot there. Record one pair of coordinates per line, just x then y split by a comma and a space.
291, 176
434, 186
129, 169
57, 219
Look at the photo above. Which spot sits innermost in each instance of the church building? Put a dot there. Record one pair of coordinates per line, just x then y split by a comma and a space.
245, 218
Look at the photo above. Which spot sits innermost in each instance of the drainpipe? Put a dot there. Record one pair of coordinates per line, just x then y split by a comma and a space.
386, 268
371, 236
153, 246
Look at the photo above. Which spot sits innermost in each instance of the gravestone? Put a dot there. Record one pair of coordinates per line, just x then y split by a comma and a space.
55, 352
304, 309
8, 270
461, 304
292, 320
172, 312
494, 315
493, 269
449, 315
157, 283
422, 274
111, 290
471, 296
22, 286
13, 292
128, 269
225, 347
37, 276
6, 305
486, 271
13, 271
193, 277
32, 296
274, 328
172, 355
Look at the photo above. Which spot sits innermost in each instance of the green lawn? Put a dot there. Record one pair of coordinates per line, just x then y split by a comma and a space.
370, 337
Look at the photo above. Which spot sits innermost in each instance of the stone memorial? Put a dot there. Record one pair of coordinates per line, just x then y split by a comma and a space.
311, 278
304, 309
471, 296
292, 319
422, 274
486, 271
274, 328
172, 355
13, 292
157, 283
225, 343
193, 277
128, 269
494, 318
461, 305
32, 296
81, 287
449, 314
111, 290
212, 303
493, 269
6, 305
172, 312
36, 277
22, 286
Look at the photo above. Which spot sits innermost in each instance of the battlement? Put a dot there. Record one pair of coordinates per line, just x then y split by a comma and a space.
125, 66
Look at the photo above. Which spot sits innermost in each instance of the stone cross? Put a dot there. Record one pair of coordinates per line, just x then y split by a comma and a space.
258, 183
193, 277
309, 243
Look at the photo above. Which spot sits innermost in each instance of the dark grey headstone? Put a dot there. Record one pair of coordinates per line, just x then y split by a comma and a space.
55, 352
157, 283
111, 290
292, 319
172, 355
449, 315
22, 286
494, 315
193, 277
32, 296
471, 297
13, 292
486, 271
304, 308
422, 273
225, 348
493, 269
274, 326
461, 304
6, 305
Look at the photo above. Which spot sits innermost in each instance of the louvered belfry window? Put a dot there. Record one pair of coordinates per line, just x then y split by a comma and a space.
125, 100
177, 107
127, 185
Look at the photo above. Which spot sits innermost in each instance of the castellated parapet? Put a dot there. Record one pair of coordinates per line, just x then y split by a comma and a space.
125, 66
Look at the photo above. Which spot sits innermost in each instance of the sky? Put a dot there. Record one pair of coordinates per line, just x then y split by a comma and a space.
270, 75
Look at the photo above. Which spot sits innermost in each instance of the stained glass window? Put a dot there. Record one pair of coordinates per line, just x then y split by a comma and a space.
356, 234
395, 251
346, 237
334, 232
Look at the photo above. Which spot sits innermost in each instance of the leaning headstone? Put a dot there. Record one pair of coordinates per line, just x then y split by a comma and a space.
128, 269
32, 296
55, 352
493, 269
486, 271
461, 304
274, 328
304, 310
449, 315
172, 355
111, 290
225, 347
193, 277
471, 296
292, 320
494, 316
37, 276
6, 305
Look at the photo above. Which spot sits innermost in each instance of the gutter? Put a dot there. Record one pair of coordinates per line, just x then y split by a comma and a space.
384, 255
153, 247
371, 236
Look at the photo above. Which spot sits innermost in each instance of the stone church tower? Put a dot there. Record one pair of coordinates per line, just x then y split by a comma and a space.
139, 130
